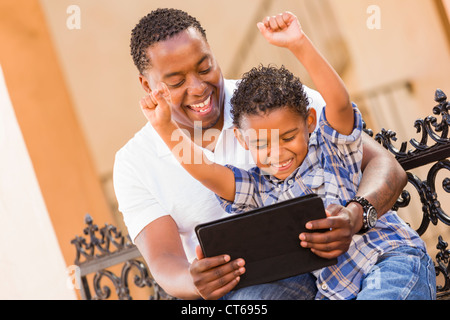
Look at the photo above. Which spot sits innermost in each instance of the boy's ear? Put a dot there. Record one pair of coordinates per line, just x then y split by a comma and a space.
311, 120
240, 138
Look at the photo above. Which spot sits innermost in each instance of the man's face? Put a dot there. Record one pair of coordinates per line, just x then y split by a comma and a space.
187, 66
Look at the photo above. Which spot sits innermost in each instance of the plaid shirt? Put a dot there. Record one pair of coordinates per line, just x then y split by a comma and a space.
331, 169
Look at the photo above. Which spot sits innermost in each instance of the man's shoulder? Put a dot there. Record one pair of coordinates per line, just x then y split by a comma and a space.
142, 143
315, 99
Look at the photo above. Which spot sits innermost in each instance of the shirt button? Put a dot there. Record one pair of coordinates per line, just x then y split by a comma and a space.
291, 182
324, 286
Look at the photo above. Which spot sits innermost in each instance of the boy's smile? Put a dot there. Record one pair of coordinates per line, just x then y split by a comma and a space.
278, 140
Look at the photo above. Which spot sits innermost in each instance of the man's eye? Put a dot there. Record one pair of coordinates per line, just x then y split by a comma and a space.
205, 71
176, 85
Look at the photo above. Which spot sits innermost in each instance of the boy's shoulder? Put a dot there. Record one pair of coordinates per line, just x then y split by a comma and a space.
327, 132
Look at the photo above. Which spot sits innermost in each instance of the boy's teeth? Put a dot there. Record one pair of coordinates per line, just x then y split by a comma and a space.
281, 165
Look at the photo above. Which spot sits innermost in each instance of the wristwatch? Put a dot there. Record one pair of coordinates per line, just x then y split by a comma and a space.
370, 215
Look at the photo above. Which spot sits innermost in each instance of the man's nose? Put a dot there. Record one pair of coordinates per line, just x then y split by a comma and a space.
196, 87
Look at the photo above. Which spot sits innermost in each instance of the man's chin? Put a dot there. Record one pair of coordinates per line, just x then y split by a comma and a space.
203, 125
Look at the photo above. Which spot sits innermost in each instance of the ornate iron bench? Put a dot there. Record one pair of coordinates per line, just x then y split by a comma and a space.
105, 258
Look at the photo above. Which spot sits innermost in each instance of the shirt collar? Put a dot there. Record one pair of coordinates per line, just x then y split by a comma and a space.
229, 87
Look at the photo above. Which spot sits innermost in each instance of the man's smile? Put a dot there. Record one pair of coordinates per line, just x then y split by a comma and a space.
203, 107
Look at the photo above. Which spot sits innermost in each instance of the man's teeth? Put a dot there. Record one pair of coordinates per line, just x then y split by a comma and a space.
201, 106
282, 164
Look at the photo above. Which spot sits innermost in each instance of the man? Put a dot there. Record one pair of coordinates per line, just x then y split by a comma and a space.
162, 203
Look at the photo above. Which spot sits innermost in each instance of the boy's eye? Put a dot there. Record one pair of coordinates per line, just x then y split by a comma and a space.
289, 139
261, 147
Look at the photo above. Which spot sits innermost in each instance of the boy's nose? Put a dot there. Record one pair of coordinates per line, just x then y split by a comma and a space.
274, 153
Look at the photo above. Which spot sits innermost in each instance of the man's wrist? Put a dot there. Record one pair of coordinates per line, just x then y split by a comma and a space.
356, 215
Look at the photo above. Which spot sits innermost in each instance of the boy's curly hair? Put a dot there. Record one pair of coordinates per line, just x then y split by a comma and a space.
158, 25
263, 89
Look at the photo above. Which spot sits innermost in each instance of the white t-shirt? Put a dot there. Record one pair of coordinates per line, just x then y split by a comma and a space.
150, 183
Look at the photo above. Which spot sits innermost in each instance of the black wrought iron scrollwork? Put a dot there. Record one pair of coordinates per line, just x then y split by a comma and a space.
110, 241
433, 147
103, 293
108, 247
104, 281
436, 210
429, 127
443, 266
422, 153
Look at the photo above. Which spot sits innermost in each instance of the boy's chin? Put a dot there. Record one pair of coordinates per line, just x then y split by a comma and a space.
268, 171
274, 172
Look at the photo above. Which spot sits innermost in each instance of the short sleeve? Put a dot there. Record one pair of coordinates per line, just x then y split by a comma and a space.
138, 206
246, 196
349, 147
338, 138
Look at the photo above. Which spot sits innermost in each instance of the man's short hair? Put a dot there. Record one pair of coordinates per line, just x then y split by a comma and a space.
158, 25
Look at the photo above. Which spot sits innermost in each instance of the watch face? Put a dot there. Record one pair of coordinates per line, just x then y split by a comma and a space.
372, 217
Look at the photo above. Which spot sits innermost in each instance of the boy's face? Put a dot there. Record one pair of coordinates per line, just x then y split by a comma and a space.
278, 140
186, 64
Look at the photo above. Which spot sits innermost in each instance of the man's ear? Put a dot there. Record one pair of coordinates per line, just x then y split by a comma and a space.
240, 137
311, 120
144, 83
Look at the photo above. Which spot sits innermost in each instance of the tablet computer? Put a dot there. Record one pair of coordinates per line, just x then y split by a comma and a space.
267, 239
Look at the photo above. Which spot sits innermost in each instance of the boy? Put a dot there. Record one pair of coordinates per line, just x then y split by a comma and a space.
289, 163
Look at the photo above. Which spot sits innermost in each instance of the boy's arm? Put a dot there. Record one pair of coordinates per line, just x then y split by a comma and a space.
284, 30
157, 109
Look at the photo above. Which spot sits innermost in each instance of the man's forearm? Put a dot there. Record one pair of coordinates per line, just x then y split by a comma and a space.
383, 178
160, 245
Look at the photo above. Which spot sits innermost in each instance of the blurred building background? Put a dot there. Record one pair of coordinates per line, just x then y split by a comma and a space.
69, 96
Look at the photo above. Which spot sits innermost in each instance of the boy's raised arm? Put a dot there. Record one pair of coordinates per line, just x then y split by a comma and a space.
157, 109
284, 30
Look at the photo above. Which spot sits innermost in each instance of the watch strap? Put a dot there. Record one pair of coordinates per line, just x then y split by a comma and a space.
366, 205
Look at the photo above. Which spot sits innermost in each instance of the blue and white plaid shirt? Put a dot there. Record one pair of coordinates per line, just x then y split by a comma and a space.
331, 169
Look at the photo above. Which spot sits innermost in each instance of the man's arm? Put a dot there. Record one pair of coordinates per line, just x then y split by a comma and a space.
208, 278
382, 183
383, 177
